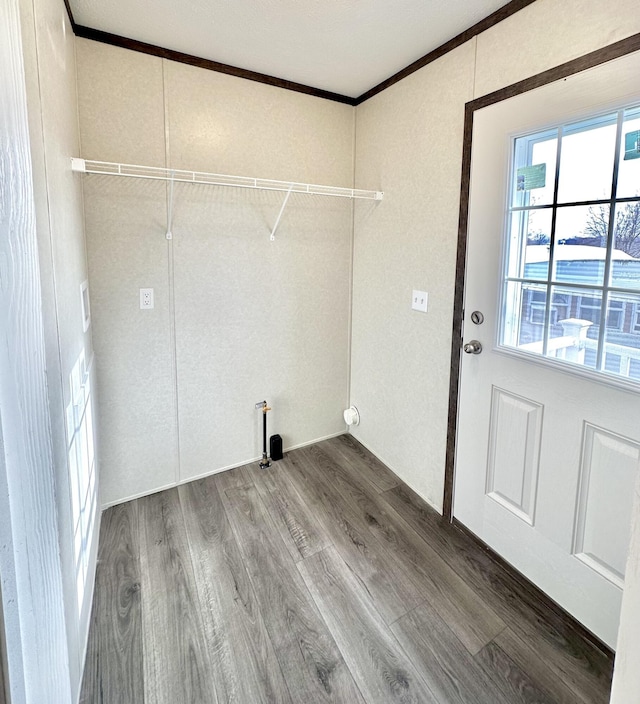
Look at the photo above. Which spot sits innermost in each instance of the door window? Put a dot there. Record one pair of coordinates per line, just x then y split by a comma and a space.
571, 286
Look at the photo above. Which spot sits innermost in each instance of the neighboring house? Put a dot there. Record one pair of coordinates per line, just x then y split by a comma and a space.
584, 265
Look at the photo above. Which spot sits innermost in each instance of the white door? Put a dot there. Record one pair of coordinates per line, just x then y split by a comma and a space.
549, 416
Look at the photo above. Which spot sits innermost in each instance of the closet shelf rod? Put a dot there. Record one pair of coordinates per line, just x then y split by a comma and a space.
176, 175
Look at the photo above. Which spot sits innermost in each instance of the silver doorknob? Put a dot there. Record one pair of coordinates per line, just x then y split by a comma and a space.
473, 347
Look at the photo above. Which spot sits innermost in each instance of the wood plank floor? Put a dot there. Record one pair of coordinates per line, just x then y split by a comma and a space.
321, 579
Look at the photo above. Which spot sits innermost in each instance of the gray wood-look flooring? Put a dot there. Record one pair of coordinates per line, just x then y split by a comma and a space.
322, 579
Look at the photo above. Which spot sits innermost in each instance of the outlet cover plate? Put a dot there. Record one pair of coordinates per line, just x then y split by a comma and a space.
146, 298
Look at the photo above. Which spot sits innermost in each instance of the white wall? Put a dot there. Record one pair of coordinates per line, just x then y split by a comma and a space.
49, 57
409, 144
237, 318
41, 631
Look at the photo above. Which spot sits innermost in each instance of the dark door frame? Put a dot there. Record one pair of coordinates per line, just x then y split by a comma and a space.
595, 58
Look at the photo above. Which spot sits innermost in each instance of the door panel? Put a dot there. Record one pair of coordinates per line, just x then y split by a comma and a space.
608, 469
546, 457
515, 431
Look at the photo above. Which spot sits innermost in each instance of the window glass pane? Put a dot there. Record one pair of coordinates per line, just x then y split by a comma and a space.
556, 309
629, 164
524, 316
586, 160
529, 244
535, 169
622, 336
581, 241
574, 325
625, 258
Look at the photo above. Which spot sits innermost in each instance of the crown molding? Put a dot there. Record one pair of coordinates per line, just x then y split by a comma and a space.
145, 48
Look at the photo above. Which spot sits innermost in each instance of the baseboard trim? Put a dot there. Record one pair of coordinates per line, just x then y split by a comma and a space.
313, 442
544, 599
218, 470
139, 495
436, 508
255, 459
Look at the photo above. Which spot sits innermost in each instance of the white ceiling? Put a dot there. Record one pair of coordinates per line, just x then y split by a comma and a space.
344, 46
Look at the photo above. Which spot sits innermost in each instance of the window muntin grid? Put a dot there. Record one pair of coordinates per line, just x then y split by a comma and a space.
573, 246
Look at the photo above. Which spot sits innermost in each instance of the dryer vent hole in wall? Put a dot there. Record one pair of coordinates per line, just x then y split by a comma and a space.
351, 416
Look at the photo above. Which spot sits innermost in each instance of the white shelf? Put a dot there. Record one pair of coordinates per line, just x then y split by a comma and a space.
180, 176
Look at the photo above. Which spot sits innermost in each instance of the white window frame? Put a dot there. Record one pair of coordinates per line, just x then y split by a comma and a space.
511, 318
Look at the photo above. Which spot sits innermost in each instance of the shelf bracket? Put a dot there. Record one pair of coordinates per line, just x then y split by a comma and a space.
284, 205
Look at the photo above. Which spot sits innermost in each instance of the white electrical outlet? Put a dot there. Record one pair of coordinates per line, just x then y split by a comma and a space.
419, 301
146, 298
